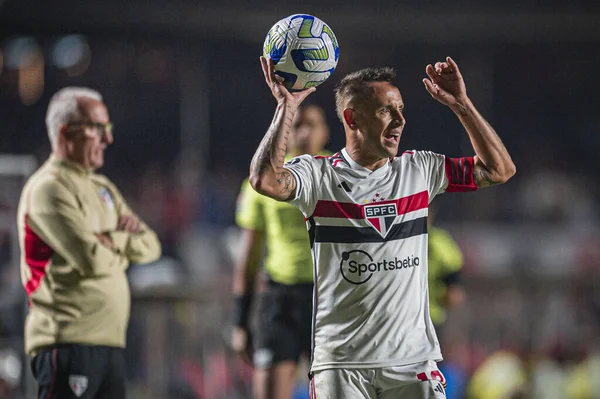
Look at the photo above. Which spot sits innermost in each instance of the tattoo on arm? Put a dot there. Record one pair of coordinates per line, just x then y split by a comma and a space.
482, 177
287, 182
270, 155
462, 109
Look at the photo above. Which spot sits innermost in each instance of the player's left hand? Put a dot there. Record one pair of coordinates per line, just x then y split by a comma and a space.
129, 224
445, 82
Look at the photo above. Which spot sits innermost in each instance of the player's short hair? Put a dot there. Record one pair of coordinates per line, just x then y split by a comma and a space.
357, 83
64, 108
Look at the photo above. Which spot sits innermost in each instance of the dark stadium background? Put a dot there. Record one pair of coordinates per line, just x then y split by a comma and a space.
184, 89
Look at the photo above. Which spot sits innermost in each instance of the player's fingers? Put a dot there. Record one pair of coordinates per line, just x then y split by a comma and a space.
452, 64
431, 72
438, 67
429, 87
265, 68
272, 76
271, 71
305, 93
279, 79
122, 222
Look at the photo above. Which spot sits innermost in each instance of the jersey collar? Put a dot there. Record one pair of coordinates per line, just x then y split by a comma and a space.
361, 169
72, 166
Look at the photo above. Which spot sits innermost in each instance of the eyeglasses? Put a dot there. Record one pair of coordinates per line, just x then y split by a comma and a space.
101, 128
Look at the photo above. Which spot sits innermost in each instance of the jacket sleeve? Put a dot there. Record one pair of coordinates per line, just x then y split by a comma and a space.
56, 216
143, 247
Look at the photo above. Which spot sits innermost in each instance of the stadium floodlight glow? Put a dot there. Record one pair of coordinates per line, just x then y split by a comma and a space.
72, 53
20, 52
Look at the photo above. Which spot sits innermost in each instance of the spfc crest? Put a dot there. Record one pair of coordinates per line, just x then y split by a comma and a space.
78, 384
106, 198
381, 216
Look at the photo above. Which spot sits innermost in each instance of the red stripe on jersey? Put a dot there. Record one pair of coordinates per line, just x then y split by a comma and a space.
460, 179
37, 257
334, 209
348, 210
412, 202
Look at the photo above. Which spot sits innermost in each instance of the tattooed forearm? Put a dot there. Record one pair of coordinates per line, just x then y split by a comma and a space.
462, 110
267, 174
482, 177
494, 165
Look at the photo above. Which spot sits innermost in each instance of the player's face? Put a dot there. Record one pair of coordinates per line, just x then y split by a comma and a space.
93, 135
309, 133
380, 120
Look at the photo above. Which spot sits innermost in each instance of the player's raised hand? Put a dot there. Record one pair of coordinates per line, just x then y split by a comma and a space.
280, 92
445, 82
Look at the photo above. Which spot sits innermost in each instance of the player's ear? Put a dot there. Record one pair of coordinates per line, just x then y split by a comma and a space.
349, 118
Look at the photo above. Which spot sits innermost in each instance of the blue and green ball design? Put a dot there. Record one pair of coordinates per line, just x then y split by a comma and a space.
304, 50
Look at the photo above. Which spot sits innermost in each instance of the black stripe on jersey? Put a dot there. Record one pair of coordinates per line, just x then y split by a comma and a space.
345, 186
311, 231
356, 235
461, 171
344, 158
314, 307
465, 170
298, 183
453, 169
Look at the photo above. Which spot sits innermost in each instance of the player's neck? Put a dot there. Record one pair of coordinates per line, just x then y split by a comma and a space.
364, 159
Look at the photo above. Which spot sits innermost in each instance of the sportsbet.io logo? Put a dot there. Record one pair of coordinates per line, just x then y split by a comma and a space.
357, 267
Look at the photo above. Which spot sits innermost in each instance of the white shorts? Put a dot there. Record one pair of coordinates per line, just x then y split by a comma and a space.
413, 381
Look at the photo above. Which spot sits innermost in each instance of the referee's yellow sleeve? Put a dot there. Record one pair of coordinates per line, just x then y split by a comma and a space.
250, 208
451, 257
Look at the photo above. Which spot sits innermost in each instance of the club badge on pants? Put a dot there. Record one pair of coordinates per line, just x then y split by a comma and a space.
78, 384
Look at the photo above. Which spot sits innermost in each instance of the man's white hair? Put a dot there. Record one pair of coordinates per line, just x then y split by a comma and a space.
64, 108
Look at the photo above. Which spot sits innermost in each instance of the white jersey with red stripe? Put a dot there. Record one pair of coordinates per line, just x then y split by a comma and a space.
368, 231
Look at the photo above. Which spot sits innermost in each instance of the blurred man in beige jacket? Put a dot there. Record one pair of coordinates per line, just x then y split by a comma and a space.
77, 238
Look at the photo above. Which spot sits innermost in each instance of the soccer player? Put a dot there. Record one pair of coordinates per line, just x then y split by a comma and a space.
77, 237
445, 261
366, 211
285, 312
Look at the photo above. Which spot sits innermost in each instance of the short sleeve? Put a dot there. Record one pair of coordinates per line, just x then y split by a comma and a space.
444, 174
459, 173
308, 173
432, 167
249, 210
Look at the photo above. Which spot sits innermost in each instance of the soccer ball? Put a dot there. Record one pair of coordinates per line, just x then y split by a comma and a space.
303, 49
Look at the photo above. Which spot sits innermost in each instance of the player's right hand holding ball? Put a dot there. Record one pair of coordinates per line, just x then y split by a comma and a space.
281, 94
